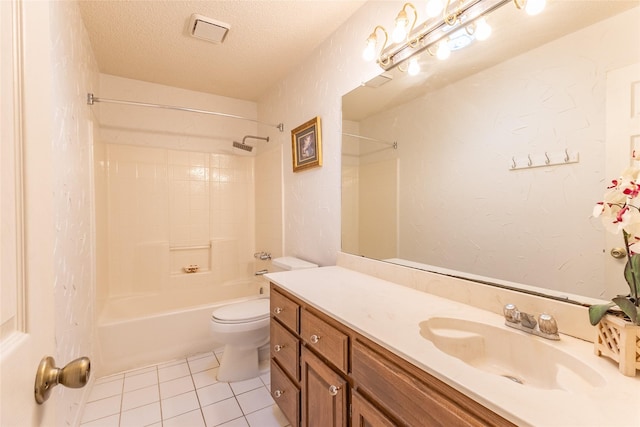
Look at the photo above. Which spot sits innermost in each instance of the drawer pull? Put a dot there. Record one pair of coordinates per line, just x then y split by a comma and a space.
314, 339
333, 390
278, 393
278, 310
278, 347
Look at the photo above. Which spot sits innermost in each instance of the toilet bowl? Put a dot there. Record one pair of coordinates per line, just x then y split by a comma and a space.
243, 328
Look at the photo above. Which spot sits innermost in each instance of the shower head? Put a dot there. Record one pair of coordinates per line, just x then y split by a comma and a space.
242, 146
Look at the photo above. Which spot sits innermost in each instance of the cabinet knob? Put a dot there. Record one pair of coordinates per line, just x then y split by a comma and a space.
333, 390
278, 347
277, 310
278, 393
314, 339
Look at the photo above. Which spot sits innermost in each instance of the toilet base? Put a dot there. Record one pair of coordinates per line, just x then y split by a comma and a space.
238, 364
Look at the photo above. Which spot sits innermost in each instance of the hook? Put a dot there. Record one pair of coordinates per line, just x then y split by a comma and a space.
513, 165
547, 159
566, 155
530, 163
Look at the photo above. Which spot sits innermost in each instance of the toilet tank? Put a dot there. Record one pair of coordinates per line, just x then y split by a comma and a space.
290, 263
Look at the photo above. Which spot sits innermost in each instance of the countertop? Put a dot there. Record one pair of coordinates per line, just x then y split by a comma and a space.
390, 314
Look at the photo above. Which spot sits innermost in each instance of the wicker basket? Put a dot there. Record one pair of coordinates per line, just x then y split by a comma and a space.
619, 340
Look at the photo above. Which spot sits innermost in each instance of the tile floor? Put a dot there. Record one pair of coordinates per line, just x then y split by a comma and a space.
182, 393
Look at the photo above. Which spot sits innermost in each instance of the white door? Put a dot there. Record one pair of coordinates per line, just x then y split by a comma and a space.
26, 252
623, 136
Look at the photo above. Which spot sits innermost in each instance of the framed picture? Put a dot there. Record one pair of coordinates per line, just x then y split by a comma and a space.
306, 144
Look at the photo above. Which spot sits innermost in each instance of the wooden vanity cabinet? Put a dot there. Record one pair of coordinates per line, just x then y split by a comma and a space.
309, 354
411, 396
364, 414
324, 394
285, 355
338, 378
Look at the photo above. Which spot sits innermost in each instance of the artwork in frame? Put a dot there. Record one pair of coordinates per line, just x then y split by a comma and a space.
306, 142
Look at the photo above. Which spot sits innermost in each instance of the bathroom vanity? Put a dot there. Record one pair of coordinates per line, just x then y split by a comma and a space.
323, 373
348, 348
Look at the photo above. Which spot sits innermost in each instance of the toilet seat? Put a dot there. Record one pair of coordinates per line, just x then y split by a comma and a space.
247, 311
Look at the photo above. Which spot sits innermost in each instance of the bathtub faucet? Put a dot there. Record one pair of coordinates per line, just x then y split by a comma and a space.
261, 272
264, 256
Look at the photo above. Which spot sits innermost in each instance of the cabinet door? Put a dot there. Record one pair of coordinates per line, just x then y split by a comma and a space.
364, 414
324, 394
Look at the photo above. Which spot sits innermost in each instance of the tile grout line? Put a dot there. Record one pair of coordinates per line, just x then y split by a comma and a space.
195, 390
159, 395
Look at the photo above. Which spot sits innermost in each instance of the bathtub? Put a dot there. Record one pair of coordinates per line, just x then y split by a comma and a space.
141, 330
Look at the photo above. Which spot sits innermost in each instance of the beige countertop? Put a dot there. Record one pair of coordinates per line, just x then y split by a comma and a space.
390, 314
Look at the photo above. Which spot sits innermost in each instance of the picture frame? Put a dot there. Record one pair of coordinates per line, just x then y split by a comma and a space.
306, 145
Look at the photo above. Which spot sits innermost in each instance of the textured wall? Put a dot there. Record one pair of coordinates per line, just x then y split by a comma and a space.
75, 73
312, 197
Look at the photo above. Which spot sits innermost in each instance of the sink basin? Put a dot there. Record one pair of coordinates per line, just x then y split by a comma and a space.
517, 356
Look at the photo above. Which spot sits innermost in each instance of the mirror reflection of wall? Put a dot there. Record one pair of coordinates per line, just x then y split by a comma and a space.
459, 205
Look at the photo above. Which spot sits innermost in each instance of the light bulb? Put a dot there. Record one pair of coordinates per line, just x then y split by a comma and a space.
483, 30
434, 7
400, 31
414, 67
443, 50
369, 52
534, 7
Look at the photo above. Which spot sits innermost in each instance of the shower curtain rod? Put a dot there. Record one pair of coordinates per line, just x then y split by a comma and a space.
393, 144
91, 99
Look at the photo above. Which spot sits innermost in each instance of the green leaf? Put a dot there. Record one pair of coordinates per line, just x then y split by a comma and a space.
597, 312
630, 269
627, 308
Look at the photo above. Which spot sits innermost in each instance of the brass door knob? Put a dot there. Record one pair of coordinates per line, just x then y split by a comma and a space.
618, 253
74, 375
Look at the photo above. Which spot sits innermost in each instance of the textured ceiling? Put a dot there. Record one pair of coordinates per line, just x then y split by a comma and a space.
148, 40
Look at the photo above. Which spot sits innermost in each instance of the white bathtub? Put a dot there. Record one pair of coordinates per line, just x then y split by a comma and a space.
140, 330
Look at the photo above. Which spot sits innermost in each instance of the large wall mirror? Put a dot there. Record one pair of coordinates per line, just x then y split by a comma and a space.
502, 152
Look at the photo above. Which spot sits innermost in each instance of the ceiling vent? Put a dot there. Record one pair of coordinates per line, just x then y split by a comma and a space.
208, 29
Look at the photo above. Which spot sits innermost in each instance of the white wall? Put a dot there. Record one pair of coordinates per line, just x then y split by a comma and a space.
75, 72
315, 88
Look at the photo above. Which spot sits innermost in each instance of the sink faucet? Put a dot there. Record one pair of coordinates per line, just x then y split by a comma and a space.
545, 326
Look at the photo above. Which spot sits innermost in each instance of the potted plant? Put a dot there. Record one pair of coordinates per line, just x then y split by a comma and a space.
618, 336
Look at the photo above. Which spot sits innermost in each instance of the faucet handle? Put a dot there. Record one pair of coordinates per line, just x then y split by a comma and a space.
511, 313
547, 324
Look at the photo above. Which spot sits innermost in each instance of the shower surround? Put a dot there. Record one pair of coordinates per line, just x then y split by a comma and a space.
171, 192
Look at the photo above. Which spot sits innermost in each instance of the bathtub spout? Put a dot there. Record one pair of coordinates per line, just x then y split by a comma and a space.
261, 272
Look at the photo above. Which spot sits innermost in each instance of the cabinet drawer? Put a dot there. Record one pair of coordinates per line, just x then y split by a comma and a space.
285, 394
285, 310
413, 396
284, 348
331, 343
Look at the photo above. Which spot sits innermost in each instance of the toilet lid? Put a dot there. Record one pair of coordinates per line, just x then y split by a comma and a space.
246, 311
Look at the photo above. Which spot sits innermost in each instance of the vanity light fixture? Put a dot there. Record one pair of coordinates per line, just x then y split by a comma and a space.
480, 29
439, 34
369, 53
402, 28
532, 7
443, 51
414, 67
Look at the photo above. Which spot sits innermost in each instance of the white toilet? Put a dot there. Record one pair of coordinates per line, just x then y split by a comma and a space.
243, 328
